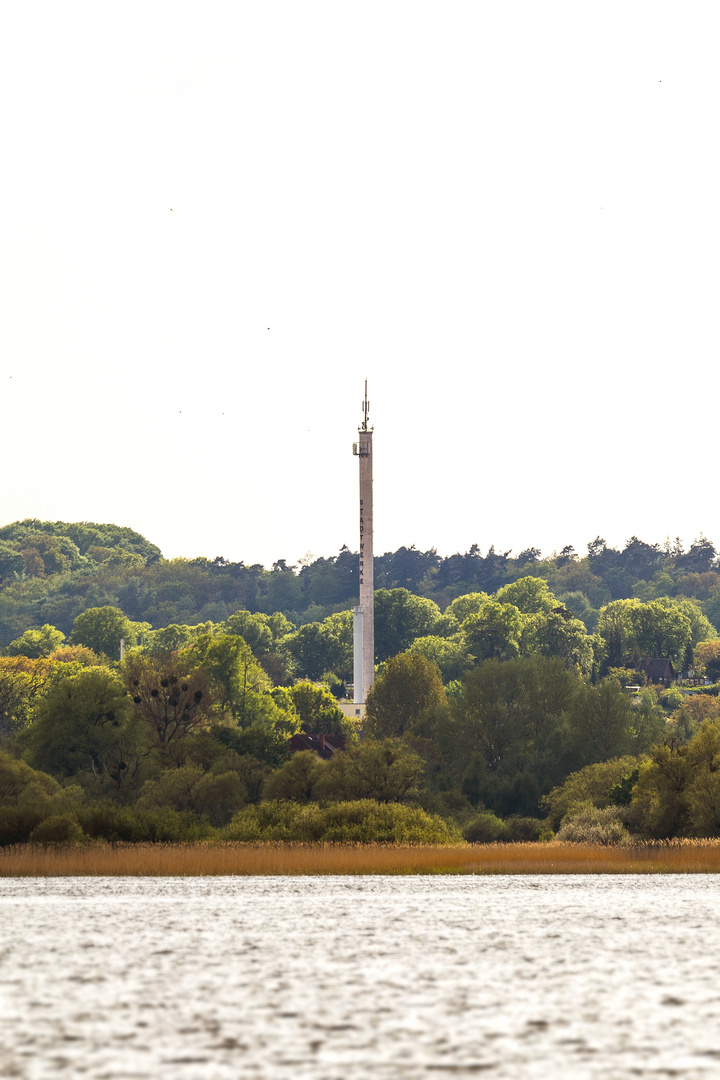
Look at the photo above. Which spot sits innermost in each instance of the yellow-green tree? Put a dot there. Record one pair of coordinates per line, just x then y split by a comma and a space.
707, 658
36, 643
530, 595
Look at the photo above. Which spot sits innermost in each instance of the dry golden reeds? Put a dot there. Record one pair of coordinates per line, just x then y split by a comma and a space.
198, 859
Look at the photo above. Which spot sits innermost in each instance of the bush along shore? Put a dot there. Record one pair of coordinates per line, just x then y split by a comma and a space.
282, 859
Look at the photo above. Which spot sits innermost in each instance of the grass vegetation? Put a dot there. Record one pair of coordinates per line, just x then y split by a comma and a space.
238, 859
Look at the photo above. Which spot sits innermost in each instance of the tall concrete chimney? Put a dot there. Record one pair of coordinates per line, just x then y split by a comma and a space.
364, 637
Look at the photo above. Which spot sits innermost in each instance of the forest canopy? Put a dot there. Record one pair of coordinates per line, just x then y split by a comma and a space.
151, 698
50, 572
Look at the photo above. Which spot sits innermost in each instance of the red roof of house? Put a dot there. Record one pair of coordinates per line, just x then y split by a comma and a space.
323, 745
657, 667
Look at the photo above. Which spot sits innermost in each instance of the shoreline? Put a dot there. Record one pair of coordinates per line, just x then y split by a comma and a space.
292, 860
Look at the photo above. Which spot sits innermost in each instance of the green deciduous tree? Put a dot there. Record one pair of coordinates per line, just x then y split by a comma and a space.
266, 716
707, 658
240, 679
700, 627
509, 739
340, 626
401, 617
84, 724
386, 770
173, 638
649, 720
558, 634
76, 654
315, 649
601, 722
16, 700
662, 631
494, 632
254, 629
297, 779
711, 609
266, 739
12, 563
29, 797
409, 687
45, 554
632, 629
216, 796
660, 794
703, 789
468, 604
317, 708
101, 629
450, 655
172, 787
678, 789
691, 712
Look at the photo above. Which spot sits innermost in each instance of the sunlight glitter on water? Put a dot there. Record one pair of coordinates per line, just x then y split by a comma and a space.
342, 978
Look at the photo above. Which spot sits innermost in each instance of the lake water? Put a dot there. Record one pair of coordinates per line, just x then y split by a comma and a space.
342, 978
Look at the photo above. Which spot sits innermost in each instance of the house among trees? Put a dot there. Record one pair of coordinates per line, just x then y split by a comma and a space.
658, 670
322, 745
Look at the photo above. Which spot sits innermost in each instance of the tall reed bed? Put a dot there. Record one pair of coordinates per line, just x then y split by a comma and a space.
197, 860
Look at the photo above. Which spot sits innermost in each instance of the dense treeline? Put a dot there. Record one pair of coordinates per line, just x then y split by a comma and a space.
508, 705
194, 744
51, 571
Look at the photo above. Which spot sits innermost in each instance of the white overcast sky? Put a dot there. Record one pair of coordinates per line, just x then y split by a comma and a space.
217, 219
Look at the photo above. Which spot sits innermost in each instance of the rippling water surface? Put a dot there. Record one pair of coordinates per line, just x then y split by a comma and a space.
351, 977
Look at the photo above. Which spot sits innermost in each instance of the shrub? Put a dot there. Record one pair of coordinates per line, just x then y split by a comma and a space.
108, 821
367, 821
593, 826
591, 785
359, 821
486, 828
217, 796
28, 797
671, 698
16, 824
627, 676
525, 829
58, 829
168, 825
296, 780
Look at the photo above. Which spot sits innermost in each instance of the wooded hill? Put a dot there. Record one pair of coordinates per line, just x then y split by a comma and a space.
50, 572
